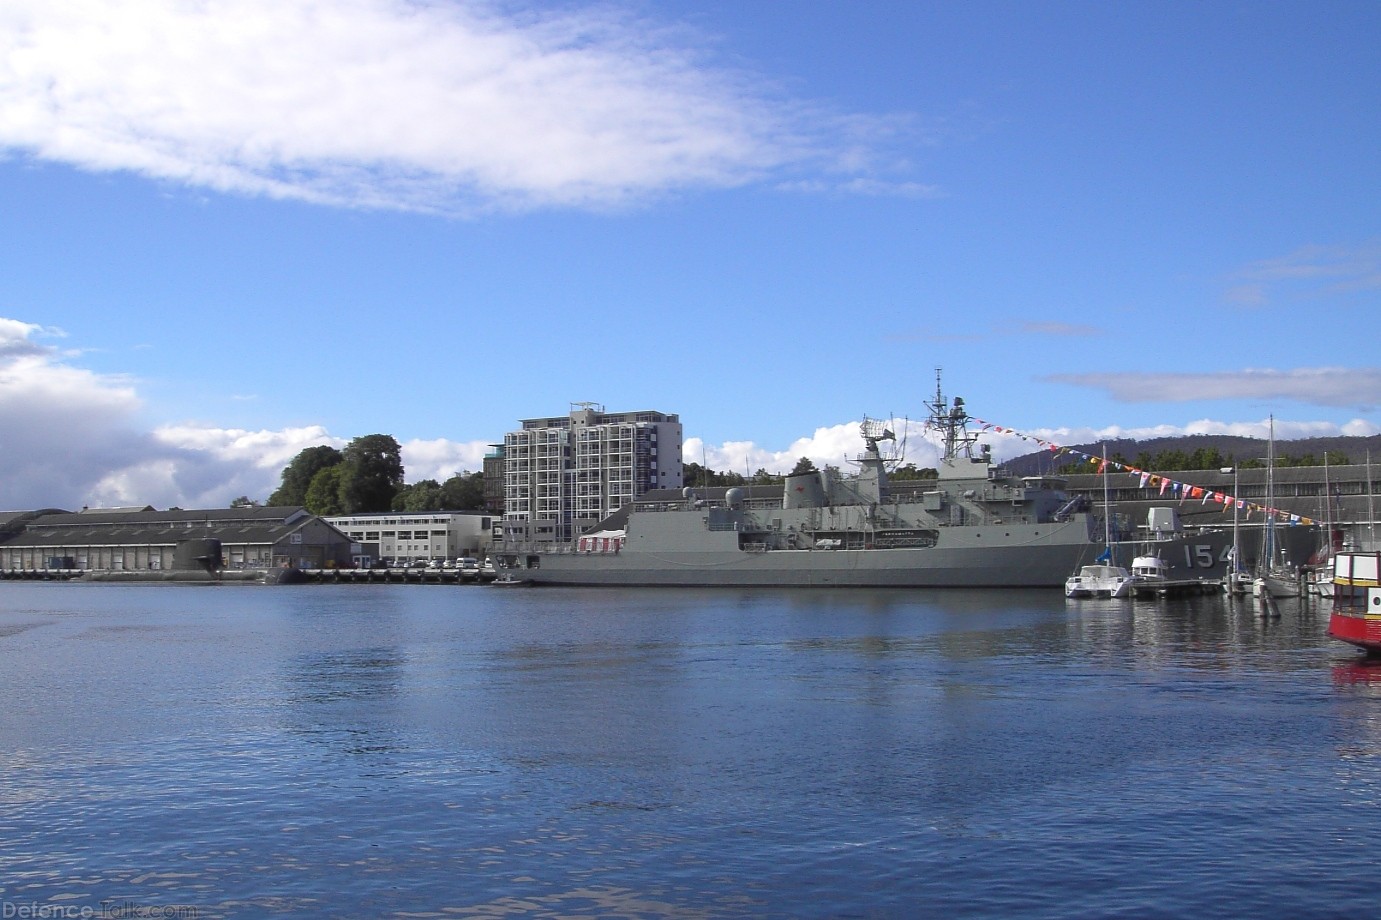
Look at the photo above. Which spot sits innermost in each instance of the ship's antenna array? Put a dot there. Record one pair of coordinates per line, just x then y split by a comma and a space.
951, 423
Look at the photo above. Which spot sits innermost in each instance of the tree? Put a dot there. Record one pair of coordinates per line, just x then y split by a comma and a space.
693, 474
1205, 458
323, 494
244, 501
909, 471
463, 492
298, 475
804, 465
372, 473
420, 496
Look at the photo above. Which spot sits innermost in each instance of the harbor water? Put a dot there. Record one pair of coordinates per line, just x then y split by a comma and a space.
450, 752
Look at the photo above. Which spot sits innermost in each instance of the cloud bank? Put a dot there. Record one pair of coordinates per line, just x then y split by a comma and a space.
445, 106
1320, 386
1308, 273
72, 438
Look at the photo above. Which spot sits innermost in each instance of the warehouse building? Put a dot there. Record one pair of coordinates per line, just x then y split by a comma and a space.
141, 539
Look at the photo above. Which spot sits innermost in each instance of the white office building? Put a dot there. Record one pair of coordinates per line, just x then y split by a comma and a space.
420, 536
564, 474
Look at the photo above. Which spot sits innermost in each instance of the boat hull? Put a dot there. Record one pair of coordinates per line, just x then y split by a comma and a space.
1357, 628
1356, 616
672, 550
998, 566
1100, 581
1275, 586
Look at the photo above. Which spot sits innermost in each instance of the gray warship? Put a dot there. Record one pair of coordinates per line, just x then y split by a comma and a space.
974, 526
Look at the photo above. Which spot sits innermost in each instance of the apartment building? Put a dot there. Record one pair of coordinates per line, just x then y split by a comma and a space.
564, 474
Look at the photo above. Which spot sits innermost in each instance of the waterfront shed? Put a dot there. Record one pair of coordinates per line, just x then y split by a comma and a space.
139, 539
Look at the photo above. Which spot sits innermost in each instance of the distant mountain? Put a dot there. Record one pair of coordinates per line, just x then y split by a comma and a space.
1234, 451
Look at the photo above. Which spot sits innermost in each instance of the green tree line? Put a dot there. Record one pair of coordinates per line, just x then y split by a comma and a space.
1170, 461
367, 476
694, 474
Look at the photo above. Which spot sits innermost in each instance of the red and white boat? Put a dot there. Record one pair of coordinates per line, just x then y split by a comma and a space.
1356, 616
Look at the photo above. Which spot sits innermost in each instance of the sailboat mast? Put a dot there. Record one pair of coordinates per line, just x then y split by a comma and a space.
1268, 534
1107, 512
1236, 541
1371, 512
1327, 508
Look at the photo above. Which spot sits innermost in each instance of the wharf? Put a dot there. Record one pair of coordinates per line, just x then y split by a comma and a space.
412, 576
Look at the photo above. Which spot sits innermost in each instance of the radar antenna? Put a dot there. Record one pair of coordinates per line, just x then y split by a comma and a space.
874, 430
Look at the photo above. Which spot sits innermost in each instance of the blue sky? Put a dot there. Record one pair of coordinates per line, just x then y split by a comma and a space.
235, 230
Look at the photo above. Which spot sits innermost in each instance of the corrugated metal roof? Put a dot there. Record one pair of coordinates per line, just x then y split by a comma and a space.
112, 528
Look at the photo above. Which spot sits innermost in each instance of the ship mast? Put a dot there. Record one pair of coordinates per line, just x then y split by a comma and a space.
952, 424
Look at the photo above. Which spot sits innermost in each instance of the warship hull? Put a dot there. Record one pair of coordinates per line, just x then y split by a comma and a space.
1041, 560
673, 549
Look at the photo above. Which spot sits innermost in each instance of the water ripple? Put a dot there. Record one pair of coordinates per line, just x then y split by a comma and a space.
424, 752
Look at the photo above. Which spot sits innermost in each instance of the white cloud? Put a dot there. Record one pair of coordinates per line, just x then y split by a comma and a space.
198, 466
448, 106
18, 338
838, 444
865, 187
1308, 272
835, 445
63, 426
1321, 386
441, 459
72, 439
1061, 330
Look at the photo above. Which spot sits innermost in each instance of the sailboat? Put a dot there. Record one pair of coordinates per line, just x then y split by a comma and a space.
1320, 577
1272, 579
1103, 578
1237, 580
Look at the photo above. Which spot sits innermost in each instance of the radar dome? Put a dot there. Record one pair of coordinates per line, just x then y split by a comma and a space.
734, 497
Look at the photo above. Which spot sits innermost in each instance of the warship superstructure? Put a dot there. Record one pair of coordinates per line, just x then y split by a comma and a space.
976, 525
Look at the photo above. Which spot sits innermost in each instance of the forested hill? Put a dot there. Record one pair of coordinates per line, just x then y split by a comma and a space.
1204, 452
